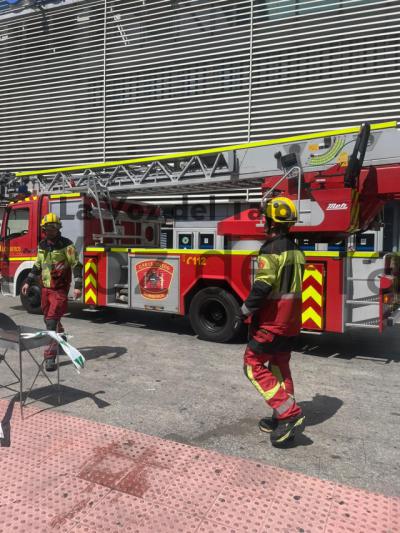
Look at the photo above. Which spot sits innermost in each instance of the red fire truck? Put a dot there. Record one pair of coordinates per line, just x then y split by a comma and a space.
340, 181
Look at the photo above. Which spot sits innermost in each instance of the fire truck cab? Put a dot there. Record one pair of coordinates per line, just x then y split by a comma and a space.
83, 221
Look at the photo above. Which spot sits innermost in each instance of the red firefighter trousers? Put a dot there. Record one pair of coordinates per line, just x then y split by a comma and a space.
54, 305
268, 369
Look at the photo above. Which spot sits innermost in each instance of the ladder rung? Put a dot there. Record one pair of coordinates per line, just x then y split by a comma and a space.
371, 324
362, 302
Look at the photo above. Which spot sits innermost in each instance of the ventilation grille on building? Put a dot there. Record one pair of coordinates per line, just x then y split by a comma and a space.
116, 79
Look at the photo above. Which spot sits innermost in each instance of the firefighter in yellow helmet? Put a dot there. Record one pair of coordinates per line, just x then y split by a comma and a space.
57, 260
274, 304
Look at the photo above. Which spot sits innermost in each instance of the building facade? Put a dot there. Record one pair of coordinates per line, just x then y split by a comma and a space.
112, 79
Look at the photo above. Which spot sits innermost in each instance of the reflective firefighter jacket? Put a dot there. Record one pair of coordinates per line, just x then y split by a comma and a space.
55, 263
275, 297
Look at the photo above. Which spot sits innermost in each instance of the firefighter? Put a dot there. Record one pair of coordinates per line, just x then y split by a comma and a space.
274, 304
56, 262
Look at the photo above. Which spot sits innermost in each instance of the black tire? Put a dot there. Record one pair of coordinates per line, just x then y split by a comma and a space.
213, 313
32, 300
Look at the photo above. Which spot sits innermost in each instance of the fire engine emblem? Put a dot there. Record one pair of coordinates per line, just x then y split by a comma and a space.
154, 278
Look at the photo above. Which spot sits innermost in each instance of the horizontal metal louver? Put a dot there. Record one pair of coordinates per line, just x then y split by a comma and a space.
52, 87
117, 79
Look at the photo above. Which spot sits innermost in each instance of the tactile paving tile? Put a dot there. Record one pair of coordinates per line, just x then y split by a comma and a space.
69, 502
70, 474
22, 482
22, 517
212, 527
195, 494
70, 460
301, 503
241, 509
145, 481
106, 467
116, 512
152, 451
357, 511
395, 514
250, 475
166, 520
216, 466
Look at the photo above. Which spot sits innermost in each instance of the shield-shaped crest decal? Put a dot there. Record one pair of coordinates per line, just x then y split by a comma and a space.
154, 278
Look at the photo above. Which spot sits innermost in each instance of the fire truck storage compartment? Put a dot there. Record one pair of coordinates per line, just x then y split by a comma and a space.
154, 282
71, 215
117, 278
362, 278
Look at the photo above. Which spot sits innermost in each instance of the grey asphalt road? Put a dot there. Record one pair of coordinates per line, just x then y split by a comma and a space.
150, 373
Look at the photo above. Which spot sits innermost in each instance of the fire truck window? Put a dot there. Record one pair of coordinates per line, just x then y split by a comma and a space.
17, 223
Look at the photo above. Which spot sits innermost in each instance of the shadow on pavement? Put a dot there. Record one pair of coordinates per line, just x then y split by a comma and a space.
320, 409
5, 441
133, 318
317, 411
94, 352
300, 440
367, 344
362, 343
68, 395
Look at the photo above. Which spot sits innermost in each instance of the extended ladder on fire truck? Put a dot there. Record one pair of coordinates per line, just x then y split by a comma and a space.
215, 169
234, 166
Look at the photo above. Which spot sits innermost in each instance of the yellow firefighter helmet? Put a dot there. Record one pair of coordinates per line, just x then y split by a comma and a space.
281, 210
51, 218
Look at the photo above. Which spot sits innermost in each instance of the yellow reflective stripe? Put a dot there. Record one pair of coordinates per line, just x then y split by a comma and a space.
93, 249
267, 395
165, 251
66, 195
363, 254
90, 295
90, 279
317, 253
286, 435
309, 313
313, 273
90, 265
310, 292
255, 144
22, 258
119, 249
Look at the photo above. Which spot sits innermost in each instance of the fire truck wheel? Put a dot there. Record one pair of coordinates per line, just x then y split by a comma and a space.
213, 313
31, 301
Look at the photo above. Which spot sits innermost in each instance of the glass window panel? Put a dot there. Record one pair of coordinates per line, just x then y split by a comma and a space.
17, 223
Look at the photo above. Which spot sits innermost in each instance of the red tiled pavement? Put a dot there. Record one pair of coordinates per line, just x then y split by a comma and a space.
74, 475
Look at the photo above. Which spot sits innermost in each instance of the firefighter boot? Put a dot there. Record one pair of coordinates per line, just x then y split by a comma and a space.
268, 424
50, 364
287, 429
